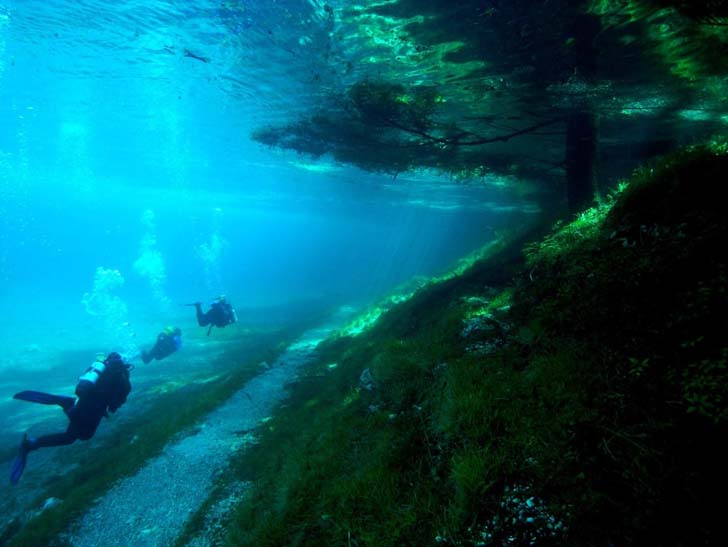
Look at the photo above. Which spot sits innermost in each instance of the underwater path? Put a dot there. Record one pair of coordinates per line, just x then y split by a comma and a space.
152, 507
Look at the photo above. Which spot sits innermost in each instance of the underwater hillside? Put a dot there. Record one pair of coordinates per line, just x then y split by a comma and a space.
363, 274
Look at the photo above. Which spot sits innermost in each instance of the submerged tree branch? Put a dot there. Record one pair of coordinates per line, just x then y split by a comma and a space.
484, 140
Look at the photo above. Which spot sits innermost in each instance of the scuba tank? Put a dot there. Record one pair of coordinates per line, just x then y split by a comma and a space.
87, 381
115, 384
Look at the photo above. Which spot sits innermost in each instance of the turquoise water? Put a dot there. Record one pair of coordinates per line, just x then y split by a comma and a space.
129, 184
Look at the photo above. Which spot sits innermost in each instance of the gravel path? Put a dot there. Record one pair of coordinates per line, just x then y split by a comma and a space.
152, 507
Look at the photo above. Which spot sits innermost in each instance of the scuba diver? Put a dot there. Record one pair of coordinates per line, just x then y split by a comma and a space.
103, 388
168, 341
220, 314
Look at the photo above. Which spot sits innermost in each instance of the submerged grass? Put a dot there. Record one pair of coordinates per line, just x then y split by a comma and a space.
575, 395
100, 464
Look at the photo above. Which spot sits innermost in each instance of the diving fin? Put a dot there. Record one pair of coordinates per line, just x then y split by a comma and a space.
209, 330
45, 398
19, 464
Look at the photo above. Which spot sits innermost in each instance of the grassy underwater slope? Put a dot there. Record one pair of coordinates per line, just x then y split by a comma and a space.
572, 396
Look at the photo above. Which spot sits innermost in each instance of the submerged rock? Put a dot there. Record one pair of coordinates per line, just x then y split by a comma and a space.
366, 381
47, 504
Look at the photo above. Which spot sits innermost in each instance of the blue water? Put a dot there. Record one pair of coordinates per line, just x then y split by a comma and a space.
129, 184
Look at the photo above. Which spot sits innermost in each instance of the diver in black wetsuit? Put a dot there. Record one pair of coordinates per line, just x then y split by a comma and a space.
220, 314
168, 341
103, 388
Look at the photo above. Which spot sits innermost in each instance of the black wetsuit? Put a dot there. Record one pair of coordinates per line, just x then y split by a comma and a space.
166, 345
219, 314
108, 394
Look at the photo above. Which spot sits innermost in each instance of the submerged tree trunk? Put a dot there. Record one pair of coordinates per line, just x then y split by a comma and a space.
582, 142
581, 160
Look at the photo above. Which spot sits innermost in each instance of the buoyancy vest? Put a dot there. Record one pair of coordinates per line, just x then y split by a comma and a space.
108, 380
228, 313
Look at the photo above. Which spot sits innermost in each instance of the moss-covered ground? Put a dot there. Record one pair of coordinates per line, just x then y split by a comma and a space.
570, 391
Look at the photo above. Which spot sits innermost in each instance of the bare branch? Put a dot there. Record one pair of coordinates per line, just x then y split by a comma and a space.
485, 140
